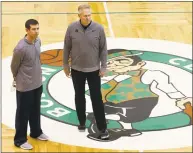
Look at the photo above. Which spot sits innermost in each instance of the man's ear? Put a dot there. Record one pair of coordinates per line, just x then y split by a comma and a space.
26, 29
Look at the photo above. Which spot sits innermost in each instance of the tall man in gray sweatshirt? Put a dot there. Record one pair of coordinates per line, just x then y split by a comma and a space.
85, 44
27, 73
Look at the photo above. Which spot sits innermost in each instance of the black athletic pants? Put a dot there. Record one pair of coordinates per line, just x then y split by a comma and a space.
94, 83
28, 109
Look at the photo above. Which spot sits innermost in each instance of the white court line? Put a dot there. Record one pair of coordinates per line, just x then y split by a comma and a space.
108, 20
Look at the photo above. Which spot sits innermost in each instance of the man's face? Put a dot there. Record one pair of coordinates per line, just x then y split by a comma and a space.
33, 31
123, 65
85, 16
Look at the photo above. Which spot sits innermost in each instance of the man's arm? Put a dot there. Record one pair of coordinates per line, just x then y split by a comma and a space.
66, 52
103, 50
16, 61
67, 48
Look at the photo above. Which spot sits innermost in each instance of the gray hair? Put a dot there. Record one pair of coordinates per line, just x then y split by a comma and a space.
83, 6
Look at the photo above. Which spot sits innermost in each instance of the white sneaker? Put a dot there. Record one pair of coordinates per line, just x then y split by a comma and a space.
43, 137
26, 146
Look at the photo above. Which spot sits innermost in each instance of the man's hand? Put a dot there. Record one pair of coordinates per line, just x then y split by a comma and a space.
14, 83
67, 72
101, 73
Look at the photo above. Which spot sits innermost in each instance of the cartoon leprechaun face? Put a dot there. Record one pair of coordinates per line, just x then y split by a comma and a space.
124, 64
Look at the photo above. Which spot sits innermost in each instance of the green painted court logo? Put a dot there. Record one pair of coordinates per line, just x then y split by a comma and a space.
128, 90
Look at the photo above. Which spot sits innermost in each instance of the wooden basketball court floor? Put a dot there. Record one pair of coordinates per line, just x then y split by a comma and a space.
171, 21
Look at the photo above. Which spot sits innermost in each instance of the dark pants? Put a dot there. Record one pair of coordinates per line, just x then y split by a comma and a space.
94, 83
28, 109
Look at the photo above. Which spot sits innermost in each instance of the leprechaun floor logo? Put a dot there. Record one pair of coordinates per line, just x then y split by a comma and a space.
146, 92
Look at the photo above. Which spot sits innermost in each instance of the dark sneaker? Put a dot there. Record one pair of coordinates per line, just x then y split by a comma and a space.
104, 135
81, 128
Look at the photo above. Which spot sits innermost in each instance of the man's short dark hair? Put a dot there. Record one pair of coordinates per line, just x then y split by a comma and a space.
30, 22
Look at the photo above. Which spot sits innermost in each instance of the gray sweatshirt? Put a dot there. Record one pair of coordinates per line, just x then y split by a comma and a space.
87, 48
26, 65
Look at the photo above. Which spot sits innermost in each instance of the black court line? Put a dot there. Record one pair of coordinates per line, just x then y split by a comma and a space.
71, 13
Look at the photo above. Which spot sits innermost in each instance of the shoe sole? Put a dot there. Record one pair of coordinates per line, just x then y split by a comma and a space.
26, 148
105, 137
100, 140
42, 139
81, 130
